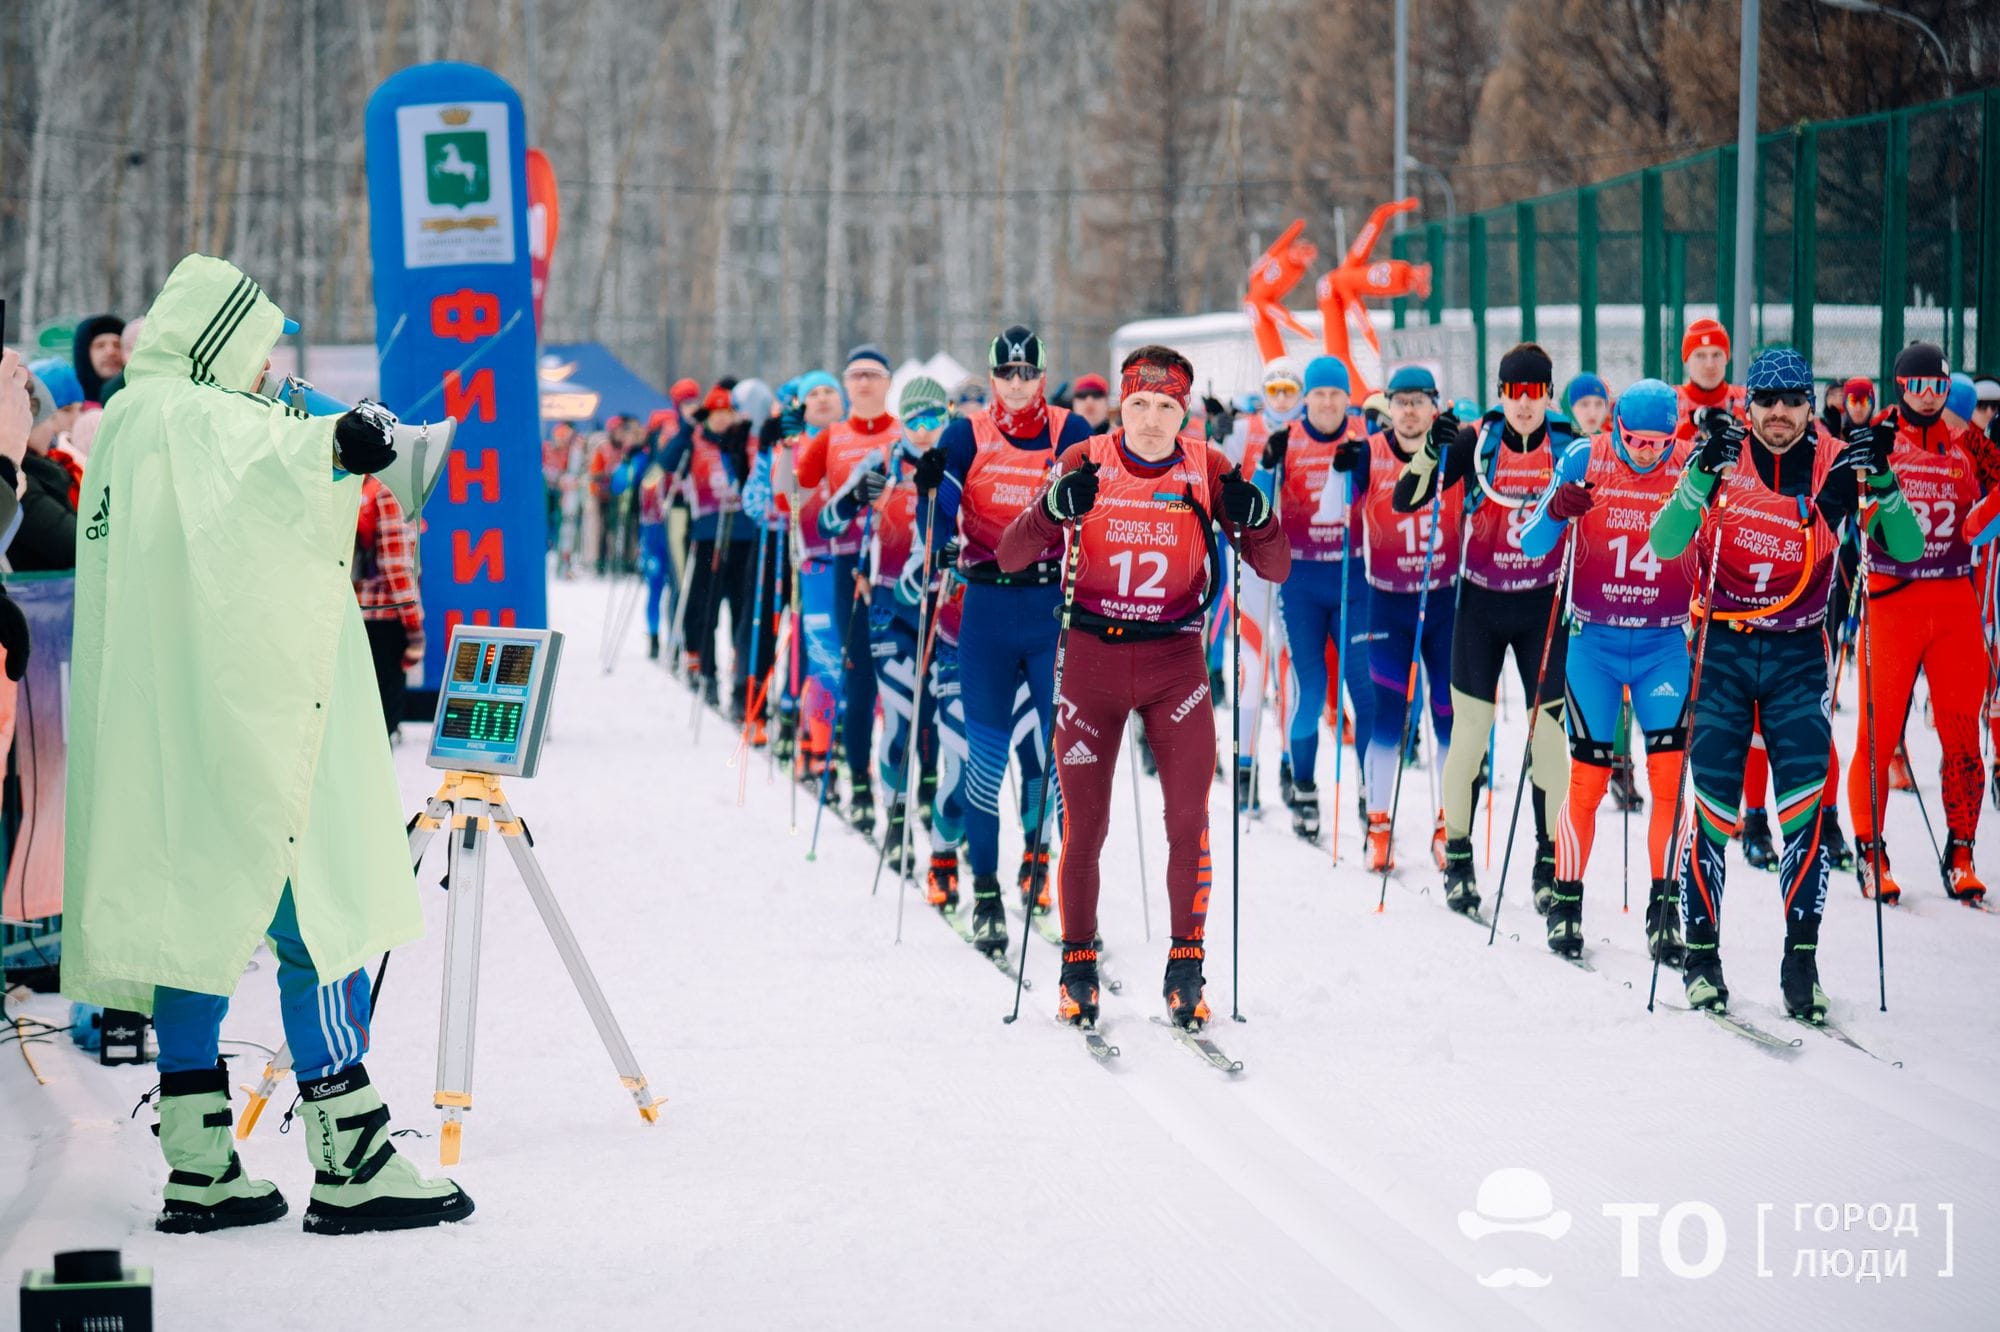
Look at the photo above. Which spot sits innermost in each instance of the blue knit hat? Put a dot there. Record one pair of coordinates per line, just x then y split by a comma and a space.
1412, 379
59, 378
868, 351
813, 379
1779, 369
1585, 385
1964, 396
1327, 372
1649, 405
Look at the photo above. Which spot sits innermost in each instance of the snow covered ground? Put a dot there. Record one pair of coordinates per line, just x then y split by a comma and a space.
853, 1138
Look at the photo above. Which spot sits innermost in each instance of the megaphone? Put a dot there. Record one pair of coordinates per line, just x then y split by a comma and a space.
421, 449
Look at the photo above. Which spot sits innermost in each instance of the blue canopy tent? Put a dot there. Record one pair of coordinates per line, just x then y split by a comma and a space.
620, 392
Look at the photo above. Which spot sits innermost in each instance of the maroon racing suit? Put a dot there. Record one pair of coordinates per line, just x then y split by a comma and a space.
1145, 567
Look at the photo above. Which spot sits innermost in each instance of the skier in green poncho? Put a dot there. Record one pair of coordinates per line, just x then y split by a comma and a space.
229, 776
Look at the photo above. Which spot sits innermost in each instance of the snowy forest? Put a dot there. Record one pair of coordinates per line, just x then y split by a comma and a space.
759, 183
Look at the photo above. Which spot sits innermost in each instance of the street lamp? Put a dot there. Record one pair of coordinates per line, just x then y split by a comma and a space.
1444, 183
1900, 16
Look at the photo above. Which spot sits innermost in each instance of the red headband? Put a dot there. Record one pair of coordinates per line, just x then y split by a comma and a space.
1150, 377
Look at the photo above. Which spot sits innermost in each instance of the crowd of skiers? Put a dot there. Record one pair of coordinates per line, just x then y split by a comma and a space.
1004, 579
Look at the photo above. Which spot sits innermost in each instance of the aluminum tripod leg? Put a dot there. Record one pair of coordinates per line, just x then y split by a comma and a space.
458, 1006
580, 974
422, 829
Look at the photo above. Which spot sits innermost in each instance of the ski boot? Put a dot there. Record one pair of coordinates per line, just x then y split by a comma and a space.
1288, 790
1461, 890
1899, 771
1034, 897
1866, 854
1182, 987
1663, 924
1381, 855
1798, 977
893, 848
785, 743
207, 1189
652, 647
1305, 810
941, 884
1702, 974
360, 1181
1565, 915
989, 915
1624, 791
1757, 849
861, 811
1544, 878
1838, 855
1961, 880
1076, 994
1246, 788
1438, 840
711, 692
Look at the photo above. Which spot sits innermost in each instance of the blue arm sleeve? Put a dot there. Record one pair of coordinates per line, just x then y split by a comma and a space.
958, 450
676, 452
757, 491
1544, 530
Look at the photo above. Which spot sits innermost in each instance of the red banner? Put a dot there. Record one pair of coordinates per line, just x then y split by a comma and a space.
542, 225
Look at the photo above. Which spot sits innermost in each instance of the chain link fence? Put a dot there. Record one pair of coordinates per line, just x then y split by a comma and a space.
1871, 232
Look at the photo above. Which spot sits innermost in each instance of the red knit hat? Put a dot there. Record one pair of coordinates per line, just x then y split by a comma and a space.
1091, 384
1704, 333
718, 400
1859, 387
684, 390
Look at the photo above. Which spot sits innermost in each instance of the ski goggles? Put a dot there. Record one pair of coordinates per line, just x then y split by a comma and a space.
1921, 384
1780, 397
1018, 371
1527, 392
931, 420
1646, 439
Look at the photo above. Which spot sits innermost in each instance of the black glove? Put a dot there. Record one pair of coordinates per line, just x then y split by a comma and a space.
770, 432
361, 438
735, 443
1444, 430
1275, 447
1213, 406
14, 637
1073, 495
1722, 442
1242, 502
928, 472
869, 483
1348, 455
1879, 440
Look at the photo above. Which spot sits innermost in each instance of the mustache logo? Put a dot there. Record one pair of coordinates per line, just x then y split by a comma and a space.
1514, 1276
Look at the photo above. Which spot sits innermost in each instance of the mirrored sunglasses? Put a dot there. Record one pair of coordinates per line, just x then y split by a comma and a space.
1017, 371
1528, 391
1780, 398
1925, 384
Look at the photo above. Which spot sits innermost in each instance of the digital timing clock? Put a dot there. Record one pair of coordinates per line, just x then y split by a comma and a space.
493, 707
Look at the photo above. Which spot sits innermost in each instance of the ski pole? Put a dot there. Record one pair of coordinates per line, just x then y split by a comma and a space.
1360, 741
1923, 808
912, 740
1263, 671
1867, 685
927, 610
1534, 705
1431, 540
825, 772
1625, 827
1071, 563
1139, 828
1235, 785
711, 608
1687, 753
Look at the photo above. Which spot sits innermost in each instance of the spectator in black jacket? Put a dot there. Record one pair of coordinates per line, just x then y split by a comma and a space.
98, 354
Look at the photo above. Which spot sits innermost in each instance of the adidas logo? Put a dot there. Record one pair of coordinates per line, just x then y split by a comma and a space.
1079, 753
100, 522
1665, 689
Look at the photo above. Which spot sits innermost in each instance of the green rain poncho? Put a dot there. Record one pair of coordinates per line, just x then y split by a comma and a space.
225, 732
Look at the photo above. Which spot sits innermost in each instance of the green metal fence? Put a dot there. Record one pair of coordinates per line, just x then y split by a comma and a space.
1871, 232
